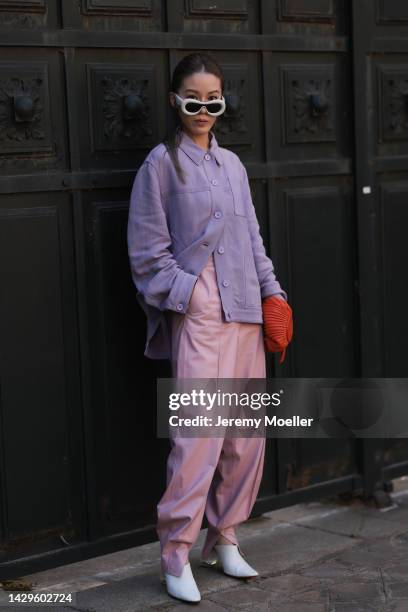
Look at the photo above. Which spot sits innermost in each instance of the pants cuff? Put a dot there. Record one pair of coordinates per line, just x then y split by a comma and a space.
173, 561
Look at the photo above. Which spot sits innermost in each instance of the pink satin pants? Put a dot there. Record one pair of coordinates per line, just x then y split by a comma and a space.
216, 476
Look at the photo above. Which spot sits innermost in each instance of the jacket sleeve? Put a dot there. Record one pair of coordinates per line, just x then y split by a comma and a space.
264, 266
155, 272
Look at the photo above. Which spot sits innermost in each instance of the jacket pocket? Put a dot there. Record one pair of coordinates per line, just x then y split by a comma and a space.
239, 204
189, 213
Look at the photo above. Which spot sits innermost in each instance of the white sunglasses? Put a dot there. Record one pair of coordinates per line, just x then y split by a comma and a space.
191, 106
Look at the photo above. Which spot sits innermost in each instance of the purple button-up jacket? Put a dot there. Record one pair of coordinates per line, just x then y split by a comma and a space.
173, 227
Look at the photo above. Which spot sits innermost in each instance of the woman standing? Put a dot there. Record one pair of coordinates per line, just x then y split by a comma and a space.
207, 286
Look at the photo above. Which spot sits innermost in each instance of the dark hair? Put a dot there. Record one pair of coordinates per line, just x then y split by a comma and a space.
194, 62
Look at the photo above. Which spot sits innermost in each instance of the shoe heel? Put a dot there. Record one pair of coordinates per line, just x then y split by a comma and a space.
211, 561
208, 563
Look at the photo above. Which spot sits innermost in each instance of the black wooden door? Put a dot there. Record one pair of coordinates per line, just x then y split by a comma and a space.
380, 60
316, 93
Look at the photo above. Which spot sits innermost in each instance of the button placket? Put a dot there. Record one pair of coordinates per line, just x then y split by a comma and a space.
211, 170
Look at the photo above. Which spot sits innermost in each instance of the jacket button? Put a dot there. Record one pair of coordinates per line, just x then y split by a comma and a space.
214, 182
207, 157
180, 306
217, 214
221, 249
225, 283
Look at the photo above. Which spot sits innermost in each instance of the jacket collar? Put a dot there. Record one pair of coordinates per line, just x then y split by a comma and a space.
195, 152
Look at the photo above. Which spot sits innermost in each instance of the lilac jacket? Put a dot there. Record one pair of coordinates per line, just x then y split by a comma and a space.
173, 227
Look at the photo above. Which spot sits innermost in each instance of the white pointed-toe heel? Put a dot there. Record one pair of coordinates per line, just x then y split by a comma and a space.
182, 587
231, 561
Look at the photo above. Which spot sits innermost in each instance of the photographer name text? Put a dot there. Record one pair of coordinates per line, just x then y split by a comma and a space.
273, 421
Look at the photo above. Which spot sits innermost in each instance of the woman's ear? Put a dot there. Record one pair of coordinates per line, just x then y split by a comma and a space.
172, 99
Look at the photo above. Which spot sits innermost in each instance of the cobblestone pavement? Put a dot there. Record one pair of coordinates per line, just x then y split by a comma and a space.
326, 556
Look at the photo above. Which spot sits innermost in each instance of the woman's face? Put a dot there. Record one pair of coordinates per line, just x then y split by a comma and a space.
201, 86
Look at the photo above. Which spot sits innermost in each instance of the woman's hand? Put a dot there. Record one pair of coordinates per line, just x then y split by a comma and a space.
277, 324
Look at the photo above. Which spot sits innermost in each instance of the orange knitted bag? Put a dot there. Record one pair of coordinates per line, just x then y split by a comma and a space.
277, 324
